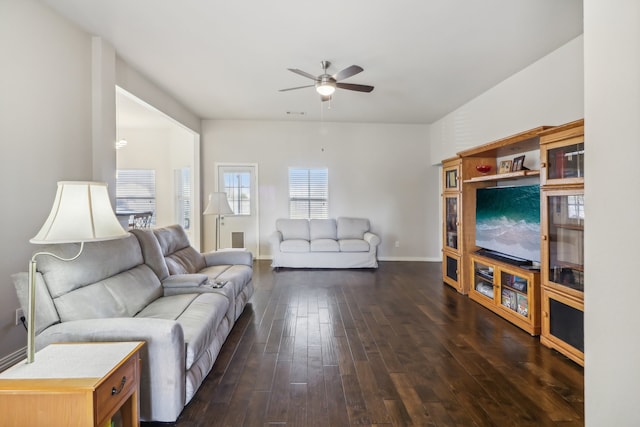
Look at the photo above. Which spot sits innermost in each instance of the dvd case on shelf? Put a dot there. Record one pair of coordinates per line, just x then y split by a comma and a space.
509, 299
523, 305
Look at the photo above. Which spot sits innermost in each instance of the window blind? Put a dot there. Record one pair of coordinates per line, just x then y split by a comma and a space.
136, 191
308, 193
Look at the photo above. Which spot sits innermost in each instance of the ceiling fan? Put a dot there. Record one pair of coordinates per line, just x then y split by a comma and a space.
326, 84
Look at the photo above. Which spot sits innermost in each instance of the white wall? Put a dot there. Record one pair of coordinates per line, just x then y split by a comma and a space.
612, 201
378, 171
46, 128
45, 133
548, 92
133, 82
162, 150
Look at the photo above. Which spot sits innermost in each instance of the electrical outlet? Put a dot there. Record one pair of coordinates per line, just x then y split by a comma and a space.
19, 314
397, 243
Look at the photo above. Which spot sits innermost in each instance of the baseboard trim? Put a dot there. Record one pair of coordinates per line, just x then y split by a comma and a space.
411, 259
11, 359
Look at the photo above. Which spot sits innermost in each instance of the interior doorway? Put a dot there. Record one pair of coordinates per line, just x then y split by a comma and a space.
150, 143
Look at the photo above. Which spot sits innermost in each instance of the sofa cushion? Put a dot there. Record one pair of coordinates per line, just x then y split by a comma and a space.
236, 275
90, 267
324, 245
294, 245
293, 229
185, 261
198, 314
108, 279
151, 251
322, 229
180, 256
122, 295
353, 245
352, 228
47, 314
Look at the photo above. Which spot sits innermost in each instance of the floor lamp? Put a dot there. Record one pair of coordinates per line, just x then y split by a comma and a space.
81, 212
218, 205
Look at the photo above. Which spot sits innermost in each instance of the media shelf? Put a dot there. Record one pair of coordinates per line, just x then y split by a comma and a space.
547, 300
507, 290
501, 176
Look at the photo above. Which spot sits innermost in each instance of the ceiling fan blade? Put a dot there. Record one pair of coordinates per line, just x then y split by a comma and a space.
325, 98
294, 88
358, 88
302, 73
348, 72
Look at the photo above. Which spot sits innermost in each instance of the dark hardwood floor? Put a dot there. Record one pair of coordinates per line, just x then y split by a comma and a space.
387, 347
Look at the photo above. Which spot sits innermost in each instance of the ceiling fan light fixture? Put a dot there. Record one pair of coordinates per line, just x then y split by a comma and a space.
326, 86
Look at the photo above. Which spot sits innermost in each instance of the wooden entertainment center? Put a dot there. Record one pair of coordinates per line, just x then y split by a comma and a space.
545, 299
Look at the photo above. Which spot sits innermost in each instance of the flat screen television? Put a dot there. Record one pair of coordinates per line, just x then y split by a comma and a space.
508, 221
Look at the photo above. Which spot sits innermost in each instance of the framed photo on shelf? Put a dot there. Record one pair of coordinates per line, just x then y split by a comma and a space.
452, 179
505, 166
518, 163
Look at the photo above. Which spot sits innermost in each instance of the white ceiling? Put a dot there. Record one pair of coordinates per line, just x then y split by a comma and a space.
228, 59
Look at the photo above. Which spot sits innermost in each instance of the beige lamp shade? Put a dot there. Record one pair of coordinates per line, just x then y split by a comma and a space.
81, 212
218, 205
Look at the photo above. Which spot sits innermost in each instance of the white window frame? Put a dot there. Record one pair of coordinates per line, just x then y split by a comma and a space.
308, 193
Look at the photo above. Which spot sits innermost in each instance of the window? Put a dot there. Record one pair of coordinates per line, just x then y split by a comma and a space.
237, 185
182, 182
308, 193
136, 191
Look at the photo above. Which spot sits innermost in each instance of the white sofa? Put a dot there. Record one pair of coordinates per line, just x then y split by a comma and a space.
151, 286
324, 243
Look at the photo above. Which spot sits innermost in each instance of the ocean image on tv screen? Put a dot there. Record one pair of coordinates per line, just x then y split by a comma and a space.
508, 220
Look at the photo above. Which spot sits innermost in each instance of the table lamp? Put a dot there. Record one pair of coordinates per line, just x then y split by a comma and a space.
81, 212
218, 205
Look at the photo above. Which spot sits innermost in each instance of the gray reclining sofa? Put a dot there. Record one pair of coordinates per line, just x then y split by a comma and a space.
151, 286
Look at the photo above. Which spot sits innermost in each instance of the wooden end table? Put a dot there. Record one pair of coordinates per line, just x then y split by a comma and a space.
74, 384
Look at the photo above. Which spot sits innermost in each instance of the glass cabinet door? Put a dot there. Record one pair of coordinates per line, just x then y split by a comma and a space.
483, 279
451, 205
563, 162
451, 176
514, 293
451, 269
564, 240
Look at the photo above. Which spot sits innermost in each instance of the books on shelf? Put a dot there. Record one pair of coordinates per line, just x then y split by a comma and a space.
523, 305
509, 299
516, 282
519, 284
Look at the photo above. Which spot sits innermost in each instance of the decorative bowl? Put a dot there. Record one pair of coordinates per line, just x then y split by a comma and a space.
483, 168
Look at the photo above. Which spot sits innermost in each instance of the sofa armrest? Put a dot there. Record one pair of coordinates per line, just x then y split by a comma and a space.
162, 382
371, 238
275, 239
185, 281
228, 258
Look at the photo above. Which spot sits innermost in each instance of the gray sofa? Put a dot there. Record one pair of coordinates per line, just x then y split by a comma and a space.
324, 243
151, 286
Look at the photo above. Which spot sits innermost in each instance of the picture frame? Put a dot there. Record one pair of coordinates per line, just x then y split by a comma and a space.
505, 166
518, 164
452, 179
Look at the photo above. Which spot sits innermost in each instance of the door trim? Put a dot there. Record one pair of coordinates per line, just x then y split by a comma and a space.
217, 166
